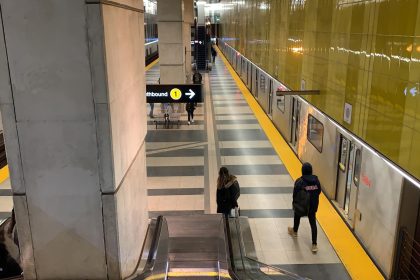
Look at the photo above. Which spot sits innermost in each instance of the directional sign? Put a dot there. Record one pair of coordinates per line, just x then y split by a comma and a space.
156, 93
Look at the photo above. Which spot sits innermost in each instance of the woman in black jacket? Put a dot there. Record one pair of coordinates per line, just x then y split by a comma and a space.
190, 108
227, 192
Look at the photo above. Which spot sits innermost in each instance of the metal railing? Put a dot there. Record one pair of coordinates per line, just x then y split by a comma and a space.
408, 257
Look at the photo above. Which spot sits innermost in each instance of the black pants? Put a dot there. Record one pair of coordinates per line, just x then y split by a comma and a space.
190, 115
312, 222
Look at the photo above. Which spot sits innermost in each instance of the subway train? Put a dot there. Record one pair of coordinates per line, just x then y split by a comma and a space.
151, 49
370, 192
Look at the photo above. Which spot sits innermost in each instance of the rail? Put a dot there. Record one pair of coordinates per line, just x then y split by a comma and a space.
408, 257
244, 267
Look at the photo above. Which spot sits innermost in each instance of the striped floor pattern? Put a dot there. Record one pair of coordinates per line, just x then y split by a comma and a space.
178, 164
175, 162
6, 200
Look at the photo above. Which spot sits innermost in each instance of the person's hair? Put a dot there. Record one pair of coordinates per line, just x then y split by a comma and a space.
223, 177
306, 169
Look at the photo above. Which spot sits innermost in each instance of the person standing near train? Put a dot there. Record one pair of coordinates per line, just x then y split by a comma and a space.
305, 202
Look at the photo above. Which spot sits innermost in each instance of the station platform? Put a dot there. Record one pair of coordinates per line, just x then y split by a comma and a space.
228, 130
6, 198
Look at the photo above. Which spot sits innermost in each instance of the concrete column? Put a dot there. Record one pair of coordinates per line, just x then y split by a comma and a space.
188, 22
201, 13
72, 98
171, 41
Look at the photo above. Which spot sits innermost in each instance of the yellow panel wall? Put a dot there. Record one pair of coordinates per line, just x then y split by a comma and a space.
366, 53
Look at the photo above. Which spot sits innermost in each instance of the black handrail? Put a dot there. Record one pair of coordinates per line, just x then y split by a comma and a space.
148, 268
247, 260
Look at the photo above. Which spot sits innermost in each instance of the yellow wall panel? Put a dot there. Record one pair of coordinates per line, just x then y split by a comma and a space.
366, 53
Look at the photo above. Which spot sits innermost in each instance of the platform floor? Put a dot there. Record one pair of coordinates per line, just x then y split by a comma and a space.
6, 199
182, 167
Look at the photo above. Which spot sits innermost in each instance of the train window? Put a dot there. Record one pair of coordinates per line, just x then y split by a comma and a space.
343, 155
357, 167
280, 103
315, 132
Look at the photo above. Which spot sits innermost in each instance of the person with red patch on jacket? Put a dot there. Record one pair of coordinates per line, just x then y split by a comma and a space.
305, 202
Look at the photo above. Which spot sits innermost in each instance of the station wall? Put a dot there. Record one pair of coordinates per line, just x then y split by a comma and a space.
364, 53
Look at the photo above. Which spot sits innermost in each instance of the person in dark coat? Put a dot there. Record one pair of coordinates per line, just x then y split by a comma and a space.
197, 78
213, 54
190, 108
9, 249
227, 192
311, 184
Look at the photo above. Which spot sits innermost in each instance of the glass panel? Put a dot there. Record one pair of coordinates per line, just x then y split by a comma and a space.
315, 132
357, 166
343, 155
280, 103
161, 258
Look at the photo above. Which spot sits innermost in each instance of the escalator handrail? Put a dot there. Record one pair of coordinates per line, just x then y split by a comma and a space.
244, 255
148, 268
228, 245
285, 272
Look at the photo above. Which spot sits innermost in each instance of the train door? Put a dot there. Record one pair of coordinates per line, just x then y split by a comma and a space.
270, 99
256, 83
294, 139
247, 74
348, 170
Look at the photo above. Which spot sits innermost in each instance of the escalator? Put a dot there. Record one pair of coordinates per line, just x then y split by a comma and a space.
203, 247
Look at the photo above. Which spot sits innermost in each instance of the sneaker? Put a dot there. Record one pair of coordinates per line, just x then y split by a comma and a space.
314, 248
188, 122
292, 232
192, 121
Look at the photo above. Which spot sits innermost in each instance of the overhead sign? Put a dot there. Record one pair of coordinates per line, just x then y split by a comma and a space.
156, 93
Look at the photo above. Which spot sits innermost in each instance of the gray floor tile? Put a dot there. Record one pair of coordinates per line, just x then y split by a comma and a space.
162, 171
267, 213
242, 135
333, 271
174, 135
154, 214
252, 121
263, 169
181, 191
5, 215
179, 153
7, 192
247, 151
266, 190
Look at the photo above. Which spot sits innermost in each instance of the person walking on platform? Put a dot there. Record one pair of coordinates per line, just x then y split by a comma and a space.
227, 194
190, 107
305, 202
213, 54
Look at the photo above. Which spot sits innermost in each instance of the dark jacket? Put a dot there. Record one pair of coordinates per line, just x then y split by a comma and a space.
313, 186
213, 52
190, 107
227, 196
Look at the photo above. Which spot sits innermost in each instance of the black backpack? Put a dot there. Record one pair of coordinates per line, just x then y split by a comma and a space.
301, 203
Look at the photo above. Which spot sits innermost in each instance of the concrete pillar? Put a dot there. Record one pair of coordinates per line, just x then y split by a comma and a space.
72, 98
201, 13
171, 41
188, 22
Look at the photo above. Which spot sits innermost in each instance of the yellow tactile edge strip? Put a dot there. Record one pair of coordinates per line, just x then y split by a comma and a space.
4, 174
351, 253
151, 64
